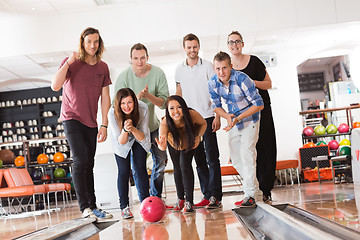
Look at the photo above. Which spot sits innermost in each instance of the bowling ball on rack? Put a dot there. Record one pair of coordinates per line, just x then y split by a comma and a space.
331, 129
345, 142
320, 130
309, 144
59, 172
58, 157
343, 128
36, 175
320, 143
7, 156
333, 145
356, 125
42, 158
344, 151
152, 209
47, 176
1, 163
19, 161
308, 131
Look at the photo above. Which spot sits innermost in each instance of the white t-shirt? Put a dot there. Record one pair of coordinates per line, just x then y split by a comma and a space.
194, 85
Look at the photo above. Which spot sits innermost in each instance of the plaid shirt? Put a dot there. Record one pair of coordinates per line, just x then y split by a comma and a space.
239, 96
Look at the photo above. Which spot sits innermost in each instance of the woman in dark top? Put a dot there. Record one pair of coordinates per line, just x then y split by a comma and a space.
181, 130
266, 145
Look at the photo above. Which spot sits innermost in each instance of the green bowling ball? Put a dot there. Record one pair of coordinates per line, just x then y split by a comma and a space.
320, 130
331, 129
344, 151
320, 143
59, 172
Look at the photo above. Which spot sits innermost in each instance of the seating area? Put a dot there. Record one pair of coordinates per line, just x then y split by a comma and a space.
21, 193
285, 167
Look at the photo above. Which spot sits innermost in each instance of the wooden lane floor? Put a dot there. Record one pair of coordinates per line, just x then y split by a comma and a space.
339, 203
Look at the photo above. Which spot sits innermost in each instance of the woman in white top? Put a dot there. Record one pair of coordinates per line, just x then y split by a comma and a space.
128, 121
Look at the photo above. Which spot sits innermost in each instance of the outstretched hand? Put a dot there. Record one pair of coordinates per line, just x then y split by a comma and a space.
161, 142
143, 93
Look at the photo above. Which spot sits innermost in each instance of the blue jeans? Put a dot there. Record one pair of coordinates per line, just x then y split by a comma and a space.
208, 163
138, 163
82, 142
157, 173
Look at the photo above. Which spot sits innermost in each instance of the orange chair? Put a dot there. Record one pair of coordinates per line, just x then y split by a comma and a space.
229, 170
18, 194
20, 177
288, 165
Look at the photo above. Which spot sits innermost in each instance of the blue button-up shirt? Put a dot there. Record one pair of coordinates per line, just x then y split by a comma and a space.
239, 96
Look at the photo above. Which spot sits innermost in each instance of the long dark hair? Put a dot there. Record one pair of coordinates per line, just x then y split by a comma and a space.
120, 116
189, 125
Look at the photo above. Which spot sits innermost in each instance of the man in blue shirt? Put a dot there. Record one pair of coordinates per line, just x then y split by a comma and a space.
244, 106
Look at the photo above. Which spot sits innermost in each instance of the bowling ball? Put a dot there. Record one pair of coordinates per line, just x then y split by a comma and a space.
333, 145
345, 142
19, 161
344, 151
7, 156
155, 232
308, 131
343, 128
309, 144
331, 129
1, 163
320, 143
58, 157
320, 130
59, 172
36, 175
47, 176
152, 209
356, 125
42, 158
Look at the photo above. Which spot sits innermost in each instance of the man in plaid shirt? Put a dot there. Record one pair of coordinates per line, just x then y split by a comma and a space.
244, 106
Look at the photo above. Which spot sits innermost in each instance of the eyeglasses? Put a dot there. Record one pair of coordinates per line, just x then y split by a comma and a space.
231, 42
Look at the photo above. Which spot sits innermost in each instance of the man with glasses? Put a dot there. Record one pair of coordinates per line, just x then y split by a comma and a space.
191, 83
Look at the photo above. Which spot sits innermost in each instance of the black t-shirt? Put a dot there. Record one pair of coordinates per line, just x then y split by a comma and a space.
256, 71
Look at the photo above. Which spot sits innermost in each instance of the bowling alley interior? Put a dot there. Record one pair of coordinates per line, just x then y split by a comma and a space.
311, 53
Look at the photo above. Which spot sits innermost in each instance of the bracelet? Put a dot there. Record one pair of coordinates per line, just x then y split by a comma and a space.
67, 63
125, 130
103, 126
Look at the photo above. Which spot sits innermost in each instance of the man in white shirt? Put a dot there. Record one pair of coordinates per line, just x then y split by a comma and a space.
191, 83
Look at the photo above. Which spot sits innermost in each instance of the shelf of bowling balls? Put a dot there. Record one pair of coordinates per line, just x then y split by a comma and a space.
325, 135
66, 162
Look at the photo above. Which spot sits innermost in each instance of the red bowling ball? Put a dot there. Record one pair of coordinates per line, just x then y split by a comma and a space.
333, 145
343, 128
308, 131
152, 209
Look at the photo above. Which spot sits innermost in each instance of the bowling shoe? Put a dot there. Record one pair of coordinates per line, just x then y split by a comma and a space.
126, 213
188, 208
203, 203
87, 213
179, 205
99, 213
267, 199
214, 203
248, 202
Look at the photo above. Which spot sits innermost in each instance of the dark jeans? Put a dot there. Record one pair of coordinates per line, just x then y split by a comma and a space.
157, 173
183, 173
82, 142
210, 173
138, 163
266, 152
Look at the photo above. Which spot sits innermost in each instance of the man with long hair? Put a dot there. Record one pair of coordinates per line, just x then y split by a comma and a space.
84, 79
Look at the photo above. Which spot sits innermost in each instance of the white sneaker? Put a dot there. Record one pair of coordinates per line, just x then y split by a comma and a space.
88, 213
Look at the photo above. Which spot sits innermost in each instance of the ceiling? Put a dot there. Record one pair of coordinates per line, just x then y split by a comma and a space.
36, 70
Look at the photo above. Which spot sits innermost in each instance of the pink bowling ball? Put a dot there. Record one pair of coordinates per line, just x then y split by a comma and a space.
343, 128
152, 209
308, 131
333, 145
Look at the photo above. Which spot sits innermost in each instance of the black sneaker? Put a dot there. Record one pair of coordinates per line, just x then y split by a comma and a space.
213, 203
248, 202
267, 199
188, 208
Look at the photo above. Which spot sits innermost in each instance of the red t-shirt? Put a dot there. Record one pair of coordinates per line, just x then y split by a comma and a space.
82, 90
